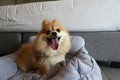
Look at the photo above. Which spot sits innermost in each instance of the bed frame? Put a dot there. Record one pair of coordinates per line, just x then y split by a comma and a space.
103, 46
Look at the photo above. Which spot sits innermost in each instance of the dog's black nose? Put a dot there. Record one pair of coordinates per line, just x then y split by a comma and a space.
54, 34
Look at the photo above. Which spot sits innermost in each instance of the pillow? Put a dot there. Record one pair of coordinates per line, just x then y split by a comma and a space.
77, 42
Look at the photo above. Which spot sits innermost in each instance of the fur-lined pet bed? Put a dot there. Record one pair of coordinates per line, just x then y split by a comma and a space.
79, 65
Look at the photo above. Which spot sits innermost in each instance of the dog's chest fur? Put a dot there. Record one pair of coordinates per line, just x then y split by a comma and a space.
51, 61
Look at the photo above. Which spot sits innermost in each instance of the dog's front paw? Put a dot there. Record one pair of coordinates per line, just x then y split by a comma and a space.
41, 70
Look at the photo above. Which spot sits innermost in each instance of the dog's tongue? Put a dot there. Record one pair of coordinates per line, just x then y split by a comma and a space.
54, 44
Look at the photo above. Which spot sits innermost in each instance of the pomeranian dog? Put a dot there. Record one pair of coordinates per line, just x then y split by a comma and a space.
48, 48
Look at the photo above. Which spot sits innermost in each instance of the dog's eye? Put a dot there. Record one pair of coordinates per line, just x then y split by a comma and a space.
48, 32
58, 30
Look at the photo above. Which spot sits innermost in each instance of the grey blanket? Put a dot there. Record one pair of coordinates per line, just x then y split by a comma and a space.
79, 65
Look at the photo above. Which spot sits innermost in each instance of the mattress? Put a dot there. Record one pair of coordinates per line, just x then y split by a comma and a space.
75, 15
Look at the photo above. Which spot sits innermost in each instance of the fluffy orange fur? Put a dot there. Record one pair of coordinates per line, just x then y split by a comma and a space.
49, 47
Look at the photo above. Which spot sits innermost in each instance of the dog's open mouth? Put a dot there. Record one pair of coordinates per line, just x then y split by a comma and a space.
54, 42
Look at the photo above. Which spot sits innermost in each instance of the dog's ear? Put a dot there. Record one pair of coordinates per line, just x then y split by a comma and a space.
45, 21
55, 20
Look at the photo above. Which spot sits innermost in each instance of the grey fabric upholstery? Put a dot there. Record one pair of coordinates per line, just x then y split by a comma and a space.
103, 46
9, 42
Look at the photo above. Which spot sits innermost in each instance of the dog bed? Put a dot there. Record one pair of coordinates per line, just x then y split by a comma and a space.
79, 65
